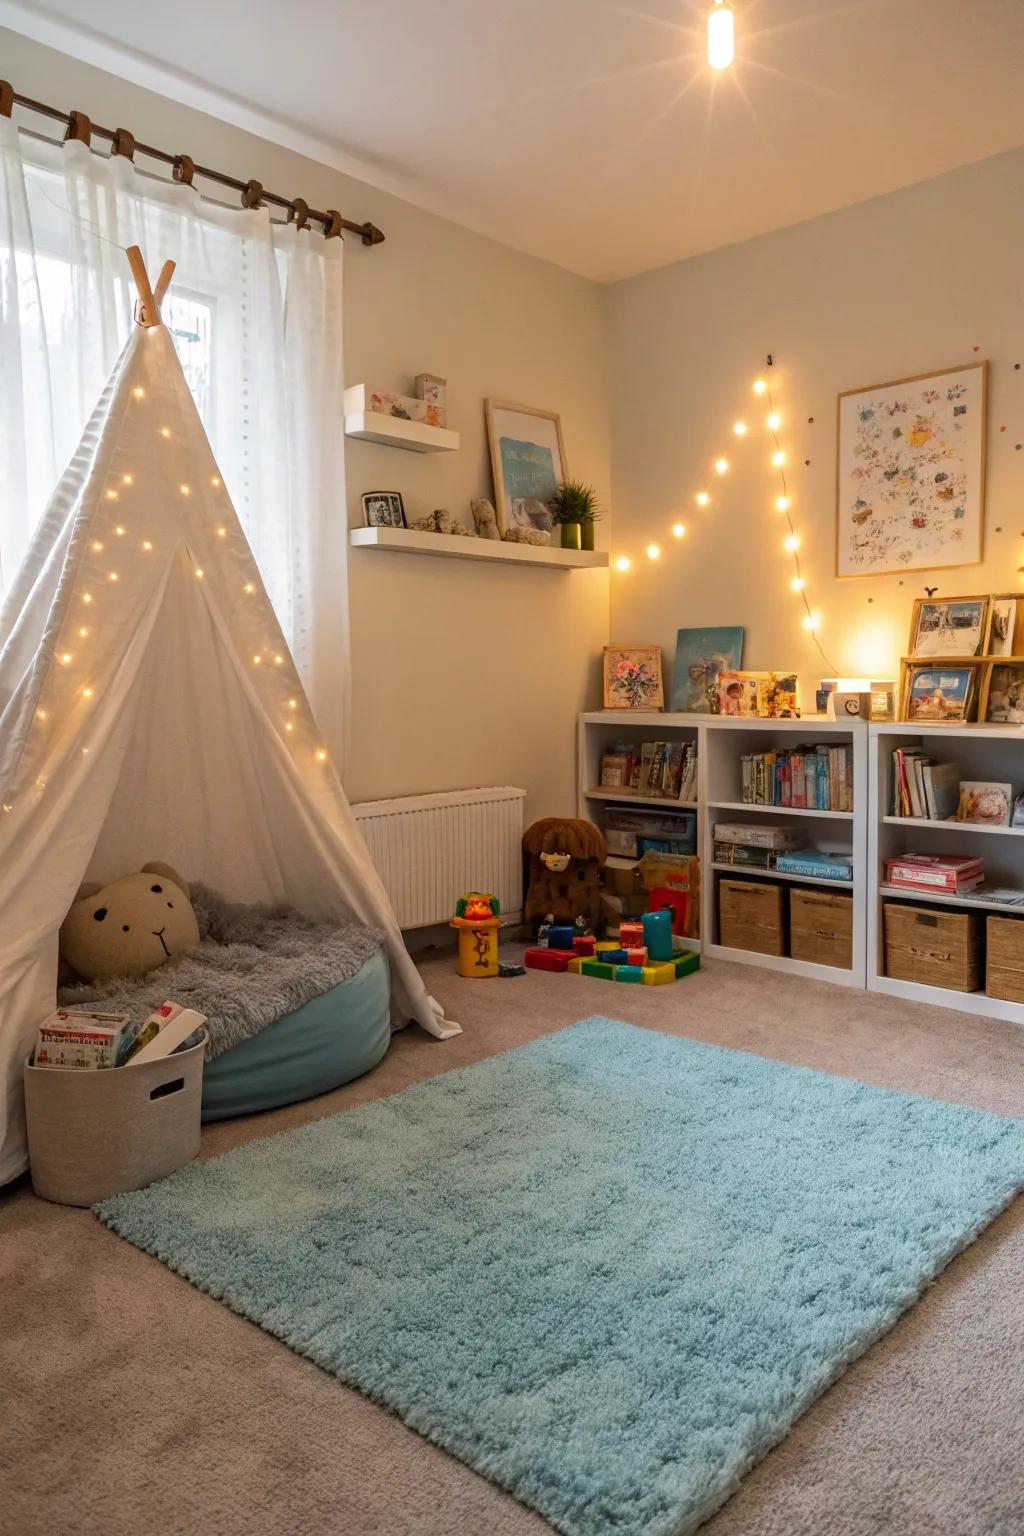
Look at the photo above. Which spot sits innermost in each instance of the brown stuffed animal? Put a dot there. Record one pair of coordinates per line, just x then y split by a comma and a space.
130, 926
566, 855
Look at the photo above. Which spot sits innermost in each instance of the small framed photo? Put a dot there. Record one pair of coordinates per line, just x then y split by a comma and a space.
949, 626
1005, 630
1004, 694
383, 509
937, 693
736, 693
633, 678
527, 461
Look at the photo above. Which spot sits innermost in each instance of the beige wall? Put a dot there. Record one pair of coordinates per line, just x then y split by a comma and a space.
902, 285
463, 675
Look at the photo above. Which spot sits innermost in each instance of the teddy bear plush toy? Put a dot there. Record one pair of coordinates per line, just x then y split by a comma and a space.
130, 926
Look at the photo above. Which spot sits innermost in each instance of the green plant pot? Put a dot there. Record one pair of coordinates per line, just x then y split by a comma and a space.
571, 536
587, 533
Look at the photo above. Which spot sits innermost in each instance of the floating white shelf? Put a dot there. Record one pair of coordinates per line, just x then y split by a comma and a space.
396, 432
412, 541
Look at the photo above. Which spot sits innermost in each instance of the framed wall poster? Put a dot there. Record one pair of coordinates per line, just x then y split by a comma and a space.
527, 458
632, 677
910, 473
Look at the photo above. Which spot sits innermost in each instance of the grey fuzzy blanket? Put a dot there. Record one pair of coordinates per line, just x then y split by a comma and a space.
253, 964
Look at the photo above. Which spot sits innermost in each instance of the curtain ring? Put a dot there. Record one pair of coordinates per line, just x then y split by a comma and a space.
6, 98
298, 213
332, 224
124, 144
79, 129
184, 169
252, 194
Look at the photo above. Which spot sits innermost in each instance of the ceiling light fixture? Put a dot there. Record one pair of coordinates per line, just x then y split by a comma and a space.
721, 40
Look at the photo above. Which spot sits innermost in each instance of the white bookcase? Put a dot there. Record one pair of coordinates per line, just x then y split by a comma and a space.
721, 744
983, 752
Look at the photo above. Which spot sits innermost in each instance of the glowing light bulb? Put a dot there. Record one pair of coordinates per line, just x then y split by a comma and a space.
42, 714
222, 533
293, 703
623, 563
778, 458
797, 584
257, 661
85, 751
703, 499
84, 631
66, 659
127, 479
678, 530
740, 428
721, 35
278, 661
721, 465
119, 530
811, 621
86, 597
111, 495
200, 573
215, 480
289, 725
113, 576
165, 431
248, 589
321, 754
96, 546
147, 544
760, 386
186, 490
653, 551
139, 392
8, 807
774, 421
791, 542
782, 503
87, 693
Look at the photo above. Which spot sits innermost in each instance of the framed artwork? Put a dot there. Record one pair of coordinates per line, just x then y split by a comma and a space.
1004, 629
527, 460
1004, 695
701, 654
910, 473
736, 693
632, 677
948, 626
776, 697
938, 693
383, 509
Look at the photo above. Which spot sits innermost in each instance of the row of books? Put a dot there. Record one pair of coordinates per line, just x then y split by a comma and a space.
88, 1040
926, 790
817, 778
951, 874
778, 848
661, 769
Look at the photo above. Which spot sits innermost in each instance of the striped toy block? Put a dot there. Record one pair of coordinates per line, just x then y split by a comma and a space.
575, 964
659, 975
547, 959
598, 968
633, 973
688, 961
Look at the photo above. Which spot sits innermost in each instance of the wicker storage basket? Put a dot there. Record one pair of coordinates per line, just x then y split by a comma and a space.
821, 927
941, 948
751, 916
97, 1133
1004, 958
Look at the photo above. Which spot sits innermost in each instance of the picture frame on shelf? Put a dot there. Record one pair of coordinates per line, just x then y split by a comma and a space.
984, 803
701, 654
1003, 702
384, 509
527, 458
937, 693
736, 694
949, 626
910, 473
1005, 631
776, 697
633, 677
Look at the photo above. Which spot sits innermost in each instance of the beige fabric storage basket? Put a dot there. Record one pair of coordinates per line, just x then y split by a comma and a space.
1004, 960
821, 927
97, 1133
750, 916
939, 948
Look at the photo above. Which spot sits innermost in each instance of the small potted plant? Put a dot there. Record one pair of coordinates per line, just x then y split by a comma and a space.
574, 509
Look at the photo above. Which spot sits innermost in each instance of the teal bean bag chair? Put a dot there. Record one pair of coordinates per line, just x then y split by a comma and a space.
325, 1043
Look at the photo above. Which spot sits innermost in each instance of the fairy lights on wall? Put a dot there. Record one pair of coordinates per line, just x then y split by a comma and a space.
782, 504
74, 690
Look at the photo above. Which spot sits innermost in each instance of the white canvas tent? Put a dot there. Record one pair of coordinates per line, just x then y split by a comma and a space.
149, 708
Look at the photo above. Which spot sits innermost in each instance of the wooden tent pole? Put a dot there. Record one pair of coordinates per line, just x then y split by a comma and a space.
163, 282
149, 310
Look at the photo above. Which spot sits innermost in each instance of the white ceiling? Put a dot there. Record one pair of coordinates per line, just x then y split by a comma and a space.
590, 132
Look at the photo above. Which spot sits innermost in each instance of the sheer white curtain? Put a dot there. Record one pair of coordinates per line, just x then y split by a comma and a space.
255, 313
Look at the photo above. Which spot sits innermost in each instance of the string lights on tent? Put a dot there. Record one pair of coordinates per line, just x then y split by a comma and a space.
782, 502
721, 35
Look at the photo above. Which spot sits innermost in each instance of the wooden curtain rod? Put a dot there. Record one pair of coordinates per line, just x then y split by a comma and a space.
184, 168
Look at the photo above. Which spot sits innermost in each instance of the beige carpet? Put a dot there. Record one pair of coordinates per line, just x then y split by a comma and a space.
132, 1405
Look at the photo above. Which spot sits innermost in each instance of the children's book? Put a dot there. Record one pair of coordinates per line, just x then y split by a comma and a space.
816, 865
985, 803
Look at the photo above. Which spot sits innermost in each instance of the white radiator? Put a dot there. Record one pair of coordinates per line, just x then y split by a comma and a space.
431, 849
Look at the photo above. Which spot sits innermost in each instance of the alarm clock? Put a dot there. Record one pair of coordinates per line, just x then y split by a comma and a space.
849, 706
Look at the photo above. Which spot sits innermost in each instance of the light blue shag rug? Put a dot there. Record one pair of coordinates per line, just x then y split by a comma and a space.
607, 1270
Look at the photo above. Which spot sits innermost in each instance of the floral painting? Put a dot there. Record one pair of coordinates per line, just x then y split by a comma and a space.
632, 677
911, 474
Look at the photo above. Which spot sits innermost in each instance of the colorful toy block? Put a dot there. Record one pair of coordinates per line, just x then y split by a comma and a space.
598, 968
561, 936
659, 975
633, 973
584, 944
636, 956
547, 959
615, 956
575, 964
631, 935
688, 961
603, 945
658, 934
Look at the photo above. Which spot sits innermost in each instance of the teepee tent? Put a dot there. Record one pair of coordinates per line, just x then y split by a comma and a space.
149, 707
